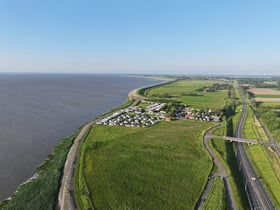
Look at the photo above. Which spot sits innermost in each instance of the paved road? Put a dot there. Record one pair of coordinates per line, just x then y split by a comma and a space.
66, 192
220, 173
258, 197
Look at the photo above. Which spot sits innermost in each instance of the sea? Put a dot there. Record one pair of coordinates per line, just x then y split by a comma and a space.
38, 110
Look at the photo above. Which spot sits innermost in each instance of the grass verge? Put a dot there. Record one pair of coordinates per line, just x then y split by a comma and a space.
265, 161
225, 152
217, 196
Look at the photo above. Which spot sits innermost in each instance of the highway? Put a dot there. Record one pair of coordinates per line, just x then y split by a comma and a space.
257, 196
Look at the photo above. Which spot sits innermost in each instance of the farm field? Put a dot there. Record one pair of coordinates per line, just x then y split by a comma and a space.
145, 168
264, 91
273, 105
267, 96
268, 100
190, 92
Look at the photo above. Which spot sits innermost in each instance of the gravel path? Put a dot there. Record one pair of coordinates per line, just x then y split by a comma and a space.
66, 192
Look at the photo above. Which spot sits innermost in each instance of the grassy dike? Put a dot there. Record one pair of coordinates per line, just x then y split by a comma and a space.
42, 192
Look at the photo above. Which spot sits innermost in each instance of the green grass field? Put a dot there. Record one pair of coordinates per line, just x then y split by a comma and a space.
217, 196
266, 96
273, 105
164, 166
186, 91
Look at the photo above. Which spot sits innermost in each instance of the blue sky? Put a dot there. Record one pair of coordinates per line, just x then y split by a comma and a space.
140, 36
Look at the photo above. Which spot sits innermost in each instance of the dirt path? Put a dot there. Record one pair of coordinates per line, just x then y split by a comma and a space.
66, 192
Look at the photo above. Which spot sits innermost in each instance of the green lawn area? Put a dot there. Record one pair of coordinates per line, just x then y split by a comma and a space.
209, 100
274, 105
186, 91
217, 196
144, 105
161, 167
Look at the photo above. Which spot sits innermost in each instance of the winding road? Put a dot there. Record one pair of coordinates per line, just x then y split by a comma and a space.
220, 173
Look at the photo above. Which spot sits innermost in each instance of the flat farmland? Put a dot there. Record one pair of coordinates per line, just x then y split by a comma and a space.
264, 91
190, 92
161, 167
267, 99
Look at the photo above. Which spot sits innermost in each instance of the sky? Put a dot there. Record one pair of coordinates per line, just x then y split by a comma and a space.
140, 36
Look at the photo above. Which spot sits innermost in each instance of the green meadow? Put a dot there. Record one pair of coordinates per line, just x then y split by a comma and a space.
164, 166
272, 105
266, 96
189, 92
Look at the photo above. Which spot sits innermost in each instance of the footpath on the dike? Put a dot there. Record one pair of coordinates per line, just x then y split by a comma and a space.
66, 199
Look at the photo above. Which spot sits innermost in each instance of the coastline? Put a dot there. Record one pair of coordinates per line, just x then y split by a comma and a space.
66, 198
43, 167
50, 166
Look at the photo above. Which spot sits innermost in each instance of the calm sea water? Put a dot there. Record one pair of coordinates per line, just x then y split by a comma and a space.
37, 110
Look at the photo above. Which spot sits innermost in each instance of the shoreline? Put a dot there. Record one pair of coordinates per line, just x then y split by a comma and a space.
66, 196
37, 173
